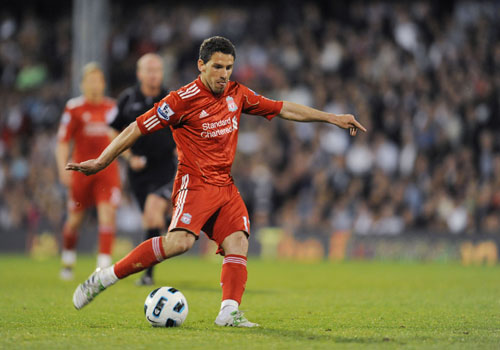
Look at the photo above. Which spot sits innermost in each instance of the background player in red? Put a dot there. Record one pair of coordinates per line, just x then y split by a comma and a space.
204, 117
83, 134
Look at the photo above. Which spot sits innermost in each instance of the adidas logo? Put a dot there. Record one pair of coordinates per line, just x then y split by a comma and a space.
204, 114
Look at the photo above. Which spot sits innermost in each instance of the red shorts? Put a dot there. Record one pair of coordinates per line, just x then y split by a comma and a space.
88, 191
201, 207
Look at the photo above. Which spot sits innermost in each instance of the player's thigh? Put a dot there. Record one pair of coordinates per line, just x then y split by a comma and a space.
81, 194
233, 217
140, 194
194, 203
155, 210
106, 189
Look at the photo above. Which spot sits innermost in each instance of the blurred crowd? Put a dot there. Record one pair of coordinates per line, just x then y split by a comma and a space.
424, 78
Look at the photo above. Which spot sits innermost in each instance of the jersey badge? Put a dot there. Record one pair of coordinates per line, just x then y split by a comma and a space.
231, 105
165, 112
186, 218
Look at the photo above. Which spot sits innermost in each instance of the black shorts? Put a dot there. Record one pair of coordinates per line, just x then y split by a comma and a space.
141, 191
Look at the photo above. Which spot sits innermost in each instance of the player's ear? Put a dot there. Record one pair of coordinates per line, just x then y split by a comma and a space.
201, 65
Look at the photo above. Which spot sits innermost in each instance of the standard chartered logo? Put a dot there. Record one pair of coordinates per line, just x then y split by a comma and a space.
220, 128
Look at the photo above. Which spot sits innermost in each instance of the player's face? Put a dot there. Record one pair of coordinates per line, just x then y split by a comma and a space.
150, 73
93, 85
216, 72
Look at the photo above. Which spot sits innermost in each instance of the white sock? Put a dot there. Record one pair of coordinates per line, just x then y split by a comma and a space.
107, 276
68, 258
103, 260
230, 303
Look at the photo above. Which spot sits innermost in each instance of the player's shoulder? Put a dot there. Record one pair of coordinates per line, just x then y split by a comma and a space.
108, 102
238, 88
188, 92
75, 103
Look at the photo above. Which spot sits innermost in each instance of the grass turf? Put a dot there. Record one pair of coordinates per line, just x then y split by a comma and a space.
352, 305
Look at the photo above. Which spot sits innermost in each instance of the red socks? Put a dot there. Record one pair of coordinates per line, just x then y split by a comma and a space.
146, 254
106, 238
150, 252
233, 277
69, 238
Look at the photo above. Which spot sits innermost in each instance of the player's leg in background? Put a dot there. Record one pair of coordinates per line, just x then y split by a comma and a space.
69, 241
106, 218
156, 209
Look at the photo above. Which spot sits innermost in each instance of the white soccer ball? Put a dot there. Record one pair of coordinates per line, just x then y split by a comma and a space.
166, 307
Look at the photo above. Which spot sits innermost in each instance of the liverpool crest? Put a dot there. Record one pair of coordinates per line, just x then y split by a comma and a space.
231, 105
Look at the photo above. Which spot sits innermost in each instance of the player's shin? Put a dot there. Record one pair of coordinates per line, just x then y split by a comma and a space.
146, 254
70, 238
68, 254
233, 280
151, 233
106, 238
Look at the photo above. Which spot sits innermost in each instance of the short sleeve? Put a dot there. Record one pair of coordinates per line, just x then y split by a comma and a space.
67, 126
256, 104
168, 111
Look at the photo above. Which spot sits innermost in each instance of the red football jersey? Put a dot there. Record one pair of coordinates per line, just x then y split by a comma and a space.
205, 126
87, 125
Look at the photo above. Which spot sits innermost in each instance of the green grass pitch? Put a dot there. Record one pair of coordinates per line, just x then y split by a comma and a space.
351, 305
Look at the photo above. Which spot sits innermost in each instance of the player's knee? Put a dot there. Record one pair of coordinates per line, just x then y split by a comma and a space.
179, 241
237, 243
74, 221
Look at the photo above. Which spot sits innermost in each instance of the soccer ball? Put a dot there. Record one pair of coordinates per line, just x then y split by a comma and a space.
166, 307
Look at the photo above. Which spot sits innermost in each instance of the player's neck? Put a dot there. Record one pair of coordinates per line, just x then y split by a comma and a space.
150, 91
207, 86
93, 99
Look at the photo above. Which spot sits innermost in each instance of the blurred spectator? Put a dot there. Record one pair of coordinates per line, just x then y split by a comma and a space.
423, 76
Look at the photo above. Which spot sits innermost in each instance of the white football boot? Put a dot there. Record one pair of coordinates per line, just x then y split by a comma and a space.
233, 318
88, 290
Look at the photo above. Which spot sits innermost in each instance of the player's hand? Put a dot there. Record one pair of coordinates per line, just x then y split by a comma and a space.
88, 167
347, 121
137, 163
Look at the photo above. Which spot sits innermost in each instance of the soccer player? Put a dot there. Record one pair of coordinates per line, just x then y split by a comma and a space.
84, 124
204, 117
151, 165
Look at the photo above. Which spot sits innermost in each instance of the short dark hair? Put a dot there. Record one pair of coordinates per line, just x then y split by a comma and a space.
216, 44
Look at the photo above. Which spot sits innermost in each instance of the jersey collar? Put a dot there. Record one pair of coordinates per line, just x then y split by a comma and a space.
207, 90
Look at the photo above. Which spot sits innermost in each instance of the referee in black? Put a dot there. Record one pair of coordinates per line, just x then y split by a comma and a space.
150, 173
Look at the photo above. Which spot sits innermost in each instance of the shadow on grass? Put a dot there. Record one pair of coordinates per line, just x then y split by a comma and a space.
293, 335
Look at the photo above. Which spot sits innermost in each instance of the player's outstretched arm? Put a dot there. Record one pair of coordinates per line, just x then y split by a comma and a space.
122, 142
300, 113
